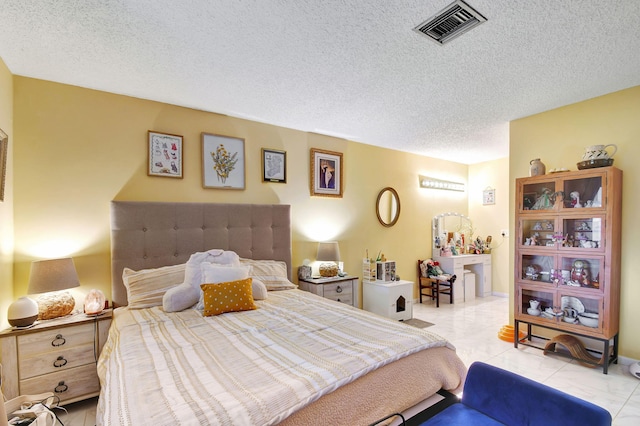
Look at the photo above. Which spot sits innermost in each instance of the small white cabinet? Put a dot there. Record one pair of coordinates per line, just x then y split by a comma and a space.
479, 264
392, 299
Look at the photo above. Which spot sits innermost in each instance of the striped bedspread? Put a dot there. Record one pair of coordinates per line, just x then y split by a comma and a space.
244, 368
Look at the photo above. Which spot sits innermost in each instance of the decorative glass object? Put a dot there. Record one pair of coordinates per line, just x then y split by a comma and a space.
94, 302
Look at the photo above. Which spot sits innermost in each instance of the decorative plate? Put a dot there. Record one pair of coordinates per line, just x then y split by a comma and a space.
572, 302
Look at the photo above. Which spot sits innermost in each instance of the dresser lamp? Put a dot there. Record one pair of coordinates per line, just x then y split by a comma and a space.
328, 252
49, 278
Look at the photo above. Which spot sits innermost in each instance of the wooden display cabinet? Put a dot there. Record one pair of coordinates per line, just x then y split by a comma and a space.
567, 256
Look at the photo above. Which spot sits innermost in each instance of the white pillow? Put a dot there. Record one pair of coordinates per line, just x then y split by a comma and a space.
216, 274
273, 273
259, 289
147, 287
188, 294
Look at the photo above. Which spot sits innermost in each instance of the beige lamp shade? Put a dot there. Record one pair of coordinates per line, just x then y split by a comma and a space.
328, 252
51, 276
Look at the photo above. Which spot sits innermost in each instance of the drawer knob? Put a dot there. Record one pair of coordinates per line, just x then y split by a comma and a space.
338, 289
60, 362
61, 387
338, 300
58, 341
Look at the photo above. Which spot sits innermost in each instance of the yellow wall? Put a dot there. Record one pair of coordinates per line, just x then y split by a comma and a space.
491, 219
559, 137
78, 149
6, 207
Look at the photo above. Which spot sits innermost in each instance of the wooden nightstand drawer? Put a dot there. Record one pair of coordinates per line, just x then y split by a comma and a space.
66, 384
59, 338
56, 360
340, 292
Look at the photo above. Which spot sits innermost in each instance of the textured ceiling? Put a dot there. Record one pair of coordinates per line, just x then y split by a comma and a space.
348, 68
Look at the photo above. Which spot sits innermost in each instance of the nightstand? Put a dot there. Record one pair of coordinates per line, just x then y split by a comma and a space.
340, 289
57, 355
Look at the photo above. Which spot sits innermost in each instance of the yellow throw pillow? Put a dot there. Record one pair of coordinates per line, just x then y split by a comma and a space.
233, 296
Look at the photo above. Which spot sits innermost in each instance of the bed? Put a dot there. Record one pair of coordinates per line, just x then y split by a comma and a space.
296, 359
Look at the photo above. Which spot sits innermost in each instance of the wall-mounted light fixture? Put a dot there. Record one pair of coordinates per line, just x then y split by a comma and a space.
433, 183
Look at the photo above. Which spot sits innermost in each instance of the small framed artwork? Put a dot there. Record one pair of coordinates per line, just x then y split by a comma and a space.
488, 196
4, 149
222, 162
326, 173
274, 165
165, 155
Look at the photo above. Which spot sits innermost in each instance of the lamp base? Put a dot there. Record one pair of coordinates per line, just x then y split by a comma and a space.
54, 305
328, 270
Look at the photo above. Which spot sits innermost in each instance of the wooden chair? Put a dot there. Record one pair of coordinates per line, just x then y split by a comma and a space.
435, 285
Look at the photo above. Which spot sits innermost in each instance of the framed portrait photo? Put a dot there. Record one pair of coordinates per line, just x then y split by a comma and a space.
274, 165
165, 155
223, 162
326, 173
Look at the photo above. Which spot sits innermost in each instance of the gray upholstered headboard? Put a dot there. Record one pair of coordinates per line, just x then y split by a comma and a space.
153, 234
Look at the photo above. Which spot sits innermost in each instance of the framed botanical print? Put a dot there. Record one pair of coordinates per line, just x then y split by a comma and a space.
165, 155
488, 196
223, 162
274, 165
326, 173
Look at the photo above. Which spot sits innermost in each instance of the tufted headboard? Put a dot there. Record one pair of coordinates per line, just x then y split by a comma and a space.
153, 234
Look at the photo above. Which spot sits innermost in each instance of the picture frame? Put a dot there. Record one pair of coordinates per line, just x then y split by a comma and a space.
165, 155
488, 196
4, 151
326, 173
223, 162
274, 165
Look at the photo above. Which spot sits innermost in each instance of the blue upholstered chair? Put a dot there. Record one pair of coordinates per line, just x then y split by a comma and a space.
493, 396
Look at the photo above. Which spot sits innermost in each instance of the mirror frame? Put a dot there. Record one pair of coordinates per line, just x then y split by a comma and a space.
396, 197
435, 228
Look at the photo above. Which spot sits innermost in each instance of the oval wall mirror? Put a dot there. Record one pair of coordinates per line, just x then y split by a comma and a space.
388, 207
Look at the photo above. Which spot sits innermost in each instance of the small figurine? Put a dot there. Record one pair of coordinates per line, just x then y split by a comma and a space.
575, 199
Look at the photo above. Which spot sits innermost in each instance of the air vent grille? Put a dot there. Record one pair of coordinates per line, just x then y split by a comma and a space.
452, 21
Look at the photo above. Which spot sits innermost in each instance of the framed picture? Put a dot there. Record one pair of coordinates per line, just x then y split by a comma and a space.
488, 196
4, 142
222, 162
326, 173
165, 155
274, 165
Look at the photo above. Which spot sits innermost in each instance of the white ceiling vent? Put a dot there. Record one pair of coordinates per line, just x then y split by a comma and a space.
450, 22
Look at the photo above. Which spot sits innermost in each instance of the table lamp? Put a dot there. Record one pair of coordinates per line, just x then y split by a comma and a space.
328, 252
49, 278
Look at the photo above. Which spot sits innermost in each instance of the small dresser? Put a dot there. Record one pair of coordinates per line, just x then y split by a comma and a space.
58, 356
340, 289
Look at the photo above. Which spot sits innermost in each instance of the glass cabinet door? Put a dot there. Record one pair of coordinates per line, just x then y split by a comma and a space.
538, 196
583, 192
537, 304
581, 311
584, 232
537, 268
538, 232
581, 272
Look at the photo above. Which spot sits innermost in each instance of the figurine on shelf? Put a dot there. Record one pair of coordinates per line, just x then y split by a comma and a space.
575, 199
580, 274
544, 201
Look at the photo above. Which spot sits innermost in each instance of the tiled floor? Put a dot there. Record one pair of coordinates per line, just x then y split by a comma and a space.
473, 328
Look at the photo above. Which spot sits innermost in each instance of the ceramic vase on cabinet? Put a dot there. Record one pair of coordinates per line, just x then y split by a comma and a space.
536, 168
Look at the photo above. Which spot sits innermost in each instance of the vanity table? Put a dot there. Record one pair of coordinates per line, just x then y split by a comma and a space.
479, 264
